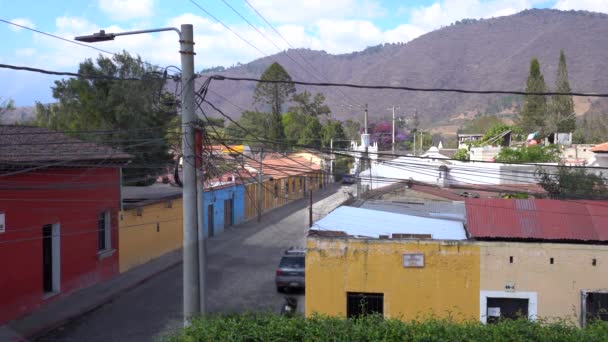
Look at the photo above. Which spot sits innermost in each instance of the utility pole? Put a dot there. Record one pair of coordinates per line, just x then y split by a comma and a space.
393, 134
365, 119
331, 161
415, 143
192, 286
200, 211
260, 177
310, 211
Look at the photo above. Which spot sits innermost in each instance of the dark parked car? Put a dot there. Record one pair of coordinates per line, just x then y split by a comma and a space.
348, 179
290, 273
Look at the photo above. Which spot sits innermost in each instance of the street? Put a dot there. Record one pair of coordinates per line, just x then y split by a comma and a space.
241, 266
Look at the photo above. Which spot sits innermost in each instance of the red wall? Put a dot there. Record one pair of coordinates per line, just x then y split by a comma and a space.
71, 197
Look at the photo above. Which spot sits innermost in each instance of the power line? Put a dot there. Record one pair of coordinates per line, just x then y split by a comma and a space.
388, 87
69, 40
66, 73
291, 46
228, 28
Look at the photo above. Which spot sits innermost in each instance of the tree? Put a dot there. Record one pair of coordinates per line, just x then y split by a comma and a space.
534, 110
333, 130
479, 125
530, 154
252, 127
562, 117
129, 108
572, 183
274, 95
462, 154
5, 106
352, 129
311, 135
304, 105
294, 124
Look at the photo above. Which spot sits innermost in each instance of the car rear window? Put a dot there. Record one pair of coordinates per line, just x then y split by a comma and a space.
292, 262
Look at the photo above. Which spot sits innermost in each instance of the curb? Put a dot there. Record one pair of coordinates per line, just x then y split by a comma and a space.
56, 324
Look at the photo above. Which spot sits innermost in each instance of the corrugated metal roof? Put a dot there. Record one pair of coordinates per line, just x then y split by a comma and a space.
439, 210
373, 223
600, 148
537, 219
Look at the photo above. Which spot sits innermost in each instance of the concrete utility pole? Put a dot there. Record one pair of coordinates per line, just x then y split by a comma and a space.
200, 212
365, 119
393, 135
193, 285
260, 184
331, 161
414, 143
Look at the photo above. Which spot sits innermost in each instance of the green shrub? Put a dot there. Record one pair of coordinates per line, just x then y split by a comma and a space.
530, 154
462, 154
268, 327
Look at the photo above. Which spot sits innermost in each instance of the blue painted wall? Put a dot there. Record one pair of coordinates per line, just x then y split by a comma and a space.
217, 198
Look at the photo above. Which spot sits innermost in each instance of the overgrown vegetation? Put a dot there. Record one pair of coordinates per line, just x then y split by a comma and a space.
462, 154
267, 327
573, 183
530, 154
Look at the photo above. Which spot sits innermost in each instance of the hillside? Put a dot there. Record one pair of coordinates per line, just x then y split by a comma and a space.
472, 54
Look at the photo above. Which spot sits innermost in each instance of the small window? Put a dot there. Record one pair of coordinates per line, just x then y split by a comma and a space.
286, 185
104, 231
361, 304
293, 185
276, 189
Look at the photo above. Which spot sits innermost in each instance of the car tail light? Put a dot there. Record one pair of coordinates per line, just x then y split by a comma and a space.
279, 272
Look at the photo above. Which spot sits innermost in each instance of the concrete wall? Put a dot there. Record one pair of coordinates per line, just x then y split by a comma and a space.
447, 284
158, 229
558, 286
216, 199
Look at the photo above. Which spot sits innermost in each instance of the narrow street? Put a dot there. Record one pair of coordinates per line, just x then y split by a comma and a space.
241, 265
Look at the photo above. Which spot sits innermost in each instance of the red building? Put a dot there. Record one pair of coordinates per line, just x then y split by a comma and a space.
59, 202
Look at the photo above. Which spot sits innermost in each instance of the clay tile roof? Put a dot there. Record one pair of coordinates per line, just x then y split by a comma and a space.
20, 145
601, 148
538, 219
283, 166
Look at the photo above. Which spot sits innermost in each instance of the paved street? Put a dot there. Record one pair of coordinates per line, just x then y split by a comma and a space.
241, 269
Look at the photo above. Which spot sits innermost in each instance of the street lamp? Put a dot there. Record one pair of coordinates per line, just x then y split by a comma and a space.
194, 252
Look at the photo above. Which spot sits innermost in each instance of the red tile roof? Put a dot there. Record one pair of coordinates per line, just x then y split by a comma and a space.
283, 166
537, 219
28, 144
601, 148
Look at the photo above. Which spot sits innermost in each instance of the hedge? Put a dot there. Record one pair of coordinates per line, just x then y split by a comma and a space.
269, 327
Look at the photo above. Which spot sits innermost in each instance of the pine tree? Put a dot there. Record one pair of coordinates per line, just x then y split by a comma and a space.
274, 95
535, 107
562, 117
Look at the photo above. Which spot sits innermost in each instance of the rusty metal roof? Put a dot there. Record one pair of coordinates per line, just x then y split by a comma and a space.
537, 219
600, 148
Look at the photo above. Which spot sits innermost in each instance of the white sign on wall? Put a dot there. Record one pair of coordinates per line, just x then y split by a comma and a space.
494, 312
413, 260
2, 224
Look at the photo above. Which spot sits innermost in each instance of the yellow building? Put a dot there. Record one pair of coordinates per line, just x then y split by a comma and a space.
552, 280
149, 228
359, 256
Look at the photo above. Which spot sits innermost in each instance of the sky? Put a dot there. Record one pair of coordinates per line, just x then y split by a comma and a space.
336, 26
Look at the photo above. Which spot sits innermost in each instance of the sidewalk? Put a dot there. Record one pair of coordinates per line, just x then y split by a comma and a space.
80, 302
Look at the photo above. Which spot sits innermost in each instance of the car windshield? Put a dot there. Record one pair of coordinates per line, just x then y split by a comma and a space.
292, 262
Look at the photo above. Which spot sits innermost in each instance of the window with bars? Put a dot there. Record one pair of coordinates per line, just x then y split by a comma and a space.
361, 304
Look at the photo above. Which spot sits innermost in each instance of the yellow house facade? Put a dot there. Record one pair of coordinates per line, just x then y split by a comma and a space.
149, 231
446, 284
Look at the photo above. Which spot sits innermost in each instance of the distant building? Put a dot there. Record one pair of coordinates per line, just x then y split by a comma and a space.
600, 152
465, 139
59, 208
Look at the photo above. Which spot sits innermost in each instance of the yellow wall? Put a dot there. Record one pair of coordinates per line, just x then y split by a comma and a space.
140, 240
558, 286
449, 281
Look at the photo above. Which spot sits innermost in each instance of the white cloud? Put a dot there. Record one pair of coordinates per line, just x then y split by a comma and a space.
25, 52
127, 9
290, 11
445, 12
22, 22
589, 5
